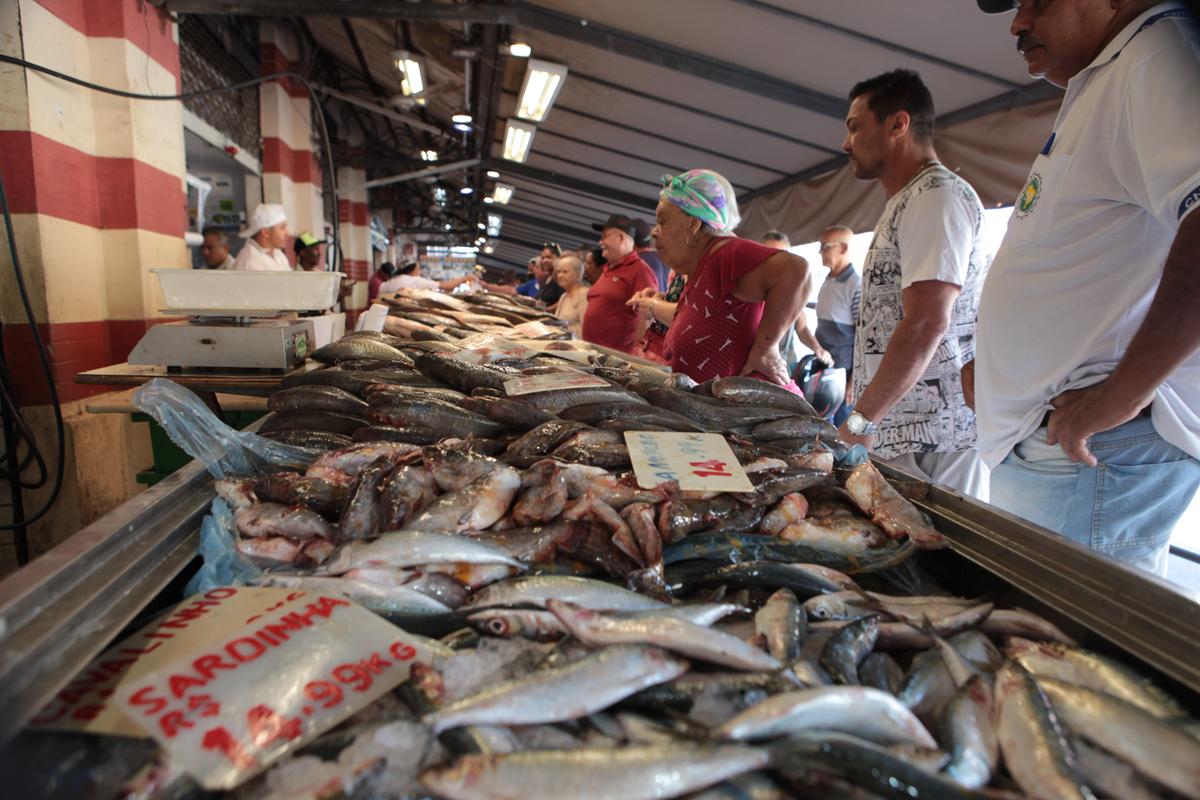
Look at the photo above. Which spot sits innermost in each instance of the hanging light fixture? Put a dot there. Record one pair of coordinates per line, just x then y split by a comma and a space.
502, 193
412, 77
520, 50
491, 173
543, 80
518, 139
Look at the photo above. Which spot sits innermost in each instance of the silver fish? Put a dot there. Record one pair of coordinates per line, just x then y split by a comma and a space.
1032, 740
1157, 748
475, 507
394, 599
847, 648
536, 590
630, 773
576, 690
273, 519
967, 729
782, 624
864, 712
676, 635
413, 548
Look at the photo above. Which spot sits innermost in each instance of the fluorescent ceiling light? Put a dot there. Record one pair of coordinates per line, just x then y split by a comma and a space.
481, 226
466, 190
412, 80
448, 226
502, 193
489, 200
491, 173
463, 118
518, 139
520, 50
465, 127
494, 221
429, 155
543, 80
489, 249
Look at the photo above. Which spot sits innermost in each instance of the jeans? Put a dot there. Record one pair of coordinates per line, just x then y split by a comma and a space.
1125, 507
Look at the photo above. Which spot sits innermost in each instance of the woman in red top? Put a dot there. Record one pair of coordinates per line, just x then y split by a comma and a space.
740, 297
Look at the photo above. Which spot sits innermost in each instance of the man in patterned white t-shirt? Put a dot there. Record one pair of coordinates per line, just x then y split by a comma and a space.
920, 290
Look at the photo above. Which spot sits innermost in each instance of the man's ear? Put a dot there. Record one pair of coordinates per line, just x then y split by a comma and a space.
898, 124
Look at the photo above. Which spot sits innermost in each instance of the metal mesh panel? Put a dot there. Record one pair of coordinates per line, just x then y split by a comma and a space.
206, 64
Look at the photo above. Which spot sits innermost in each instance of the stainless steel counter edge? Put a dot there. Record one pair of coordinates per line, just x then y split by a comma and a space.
1135, 610
61, 610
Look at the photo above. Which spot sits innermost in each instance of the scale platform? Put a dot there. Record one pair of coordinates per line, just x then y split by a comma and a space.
271, 344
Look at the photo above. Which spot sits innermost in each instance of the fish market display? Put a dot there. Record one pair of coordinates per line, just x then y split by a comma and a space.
615, 640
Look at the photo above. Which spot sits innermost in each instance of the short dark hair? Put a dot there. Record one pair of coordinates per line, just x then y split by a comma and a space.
900, 90
220, 233
408, 268
776, 236
387, 269
553, 247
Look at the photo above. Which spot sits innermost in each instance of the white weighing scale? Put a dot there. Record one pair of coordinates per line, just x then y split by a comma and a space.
240, 320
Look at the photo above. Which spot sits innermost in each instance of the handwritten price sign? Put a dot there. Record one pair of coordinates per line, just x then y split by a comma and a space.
697, 461
278, 679
552, 382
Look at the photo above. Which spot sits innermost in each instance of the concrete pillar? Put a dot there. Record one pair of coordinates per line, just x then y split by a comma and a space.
291, 174
95, 184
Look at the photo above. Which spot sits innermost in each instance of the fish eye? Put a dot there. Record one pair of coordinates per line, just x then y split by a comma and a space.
498, 626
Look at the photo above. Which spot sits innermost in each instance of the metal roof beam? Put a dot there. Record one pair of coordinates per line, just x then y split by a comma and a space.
605, 203
883, 43
372, 9
663, 54
581, 186
539, 223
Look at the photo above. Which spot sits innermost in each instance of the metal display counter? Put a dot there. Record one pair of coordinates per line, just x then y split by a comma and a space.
62, 610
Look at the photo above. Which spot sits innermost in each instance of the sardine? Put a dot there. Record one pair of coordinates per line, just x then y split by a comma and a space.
970, 737
781, 623
413, 548
1093, 671
880, 671
628, 773
536, 590
395, 599
1111, 776
1032, 740
403, 493
804, 579
1156, 747
694, 641
576, 690
868, 713
847, 647
265, 520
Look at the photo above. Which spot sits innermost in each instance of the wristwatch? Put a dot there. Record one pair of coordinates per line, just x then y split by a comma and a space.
859, 425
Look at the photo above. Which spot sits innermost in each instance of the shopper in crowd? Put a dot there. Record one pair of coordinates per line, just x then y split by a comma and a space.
789, 345
532, 284
609, 321
593, 265
548, 290
657, 310
568, 273
265, 238
1087, 381
740, 296
837, 311
644, 245
920, 290
308, 252
409, 277
386, 271
215, 249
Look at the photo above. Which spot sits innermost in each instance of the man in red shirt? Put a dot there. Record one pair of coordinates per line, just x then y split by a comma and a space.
608, 321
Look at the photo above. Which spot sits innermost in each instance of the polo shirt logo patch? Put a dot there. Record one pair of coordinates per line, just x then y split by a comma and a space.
1029, 196
1192, 199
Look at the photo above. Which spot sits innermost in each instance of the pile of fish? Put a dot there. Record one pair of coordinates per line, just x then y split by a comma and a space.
632, 642
428, 315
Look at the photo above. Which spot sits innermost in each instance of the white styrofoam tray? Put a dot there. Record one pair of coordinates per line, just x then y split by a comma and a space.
213, 290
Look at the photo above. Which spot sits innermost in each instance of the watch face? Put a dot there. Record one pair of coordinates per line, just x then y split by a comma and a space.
857, 423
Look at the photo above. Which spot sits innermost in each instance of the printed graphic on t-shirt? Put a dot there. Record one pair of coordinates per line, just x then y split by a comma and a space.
932, 418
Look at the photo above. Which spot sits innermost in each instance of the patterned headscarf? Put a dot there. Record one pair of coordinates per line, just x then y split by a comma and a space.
705, 195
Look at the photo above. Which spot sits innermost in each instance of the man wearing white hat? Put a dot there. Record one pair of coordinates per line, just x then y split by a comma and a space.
265, 238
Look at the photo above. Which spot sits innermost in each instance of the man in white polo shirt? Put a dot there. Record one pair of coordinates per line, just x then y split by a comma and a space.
1087, 378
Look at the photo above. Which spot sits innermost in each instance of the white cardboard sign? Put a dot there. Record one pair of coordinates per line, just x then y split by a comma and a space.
552, 382
483, 348
699, 462
271, 683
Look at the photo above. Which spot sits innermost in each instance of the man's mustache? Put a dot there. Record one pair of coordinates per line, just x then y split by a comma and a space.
1026, 42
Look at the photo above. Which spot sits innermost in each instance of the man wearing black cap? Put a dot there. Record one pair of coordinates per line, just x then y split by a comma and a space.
1087, 369
644, 246
608, 321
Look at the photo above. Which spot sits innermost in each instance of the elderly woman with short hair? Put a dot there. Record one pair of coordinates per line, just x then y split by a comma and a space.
568, 274
740, 297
